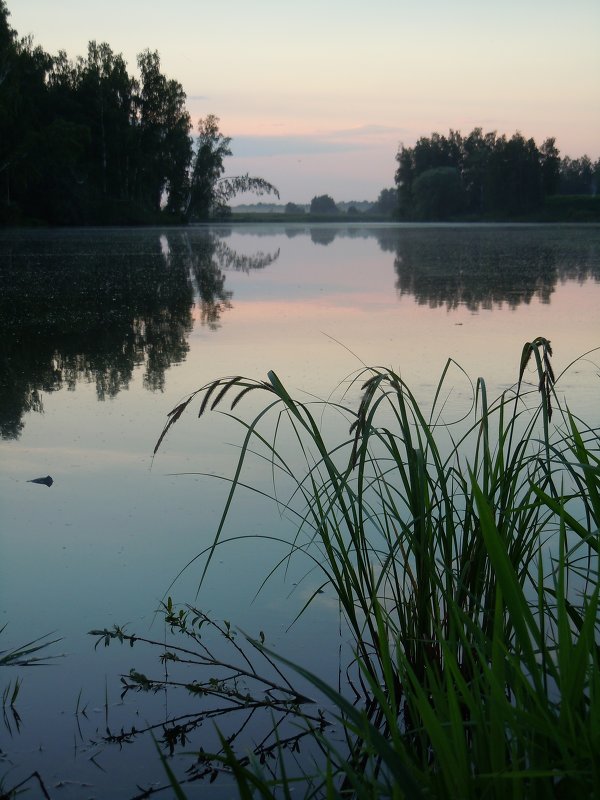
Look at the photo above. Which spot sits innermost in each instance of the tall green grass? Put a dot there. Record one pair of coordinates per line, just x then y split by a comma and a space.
465, 562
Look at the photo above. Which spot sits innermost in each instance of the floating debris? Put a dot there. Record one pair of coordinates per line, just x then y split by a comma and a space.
47, 481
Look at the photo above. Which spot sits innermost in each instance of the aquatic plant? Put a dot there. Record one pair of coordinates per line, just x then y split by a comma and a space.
225, 679
465, 561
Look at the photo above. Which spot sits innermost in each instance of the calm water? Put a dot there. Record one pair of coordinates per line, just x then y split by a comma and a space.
102, 332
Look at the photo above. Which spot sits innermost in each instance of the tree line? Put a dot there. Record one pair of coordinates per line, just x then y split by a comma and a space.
484, 174
85, 142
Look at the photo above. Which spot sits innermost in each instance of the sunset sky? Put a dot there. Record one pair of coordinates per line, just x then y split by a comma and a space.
318, 95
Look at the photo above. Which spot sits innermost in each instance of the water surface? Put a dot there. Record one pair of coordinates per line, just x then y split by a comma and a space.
102, 332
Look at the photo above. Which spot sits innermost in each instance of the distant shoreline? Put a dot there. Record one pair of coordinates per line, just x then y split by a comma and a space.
557, 209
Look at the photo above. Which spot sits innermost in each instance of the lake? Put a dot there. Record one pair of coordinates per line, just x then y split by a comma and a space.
104, 331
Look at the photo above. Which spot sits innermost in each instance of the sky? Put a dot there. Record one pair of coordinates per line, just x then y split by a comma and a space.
318, 95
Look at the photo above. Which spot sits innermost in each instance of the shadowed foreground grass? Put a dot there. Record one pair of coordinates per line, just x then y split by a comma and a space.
465, 561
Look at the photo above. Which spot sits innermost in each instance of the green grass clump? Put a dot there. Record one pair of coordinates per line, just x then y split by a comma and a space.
465, 561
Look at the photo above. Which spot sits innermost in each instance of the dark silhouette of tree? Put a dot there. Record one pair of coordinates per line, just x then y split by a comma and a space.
293, 208
8, 102
209, 192
165, 144
515, 176
550, 163
480, 174
104, 94
438, 194
438, 151
405, 175
477, 149
23, 113
85, 142
323, 205
578, 176
387, 203
208, 167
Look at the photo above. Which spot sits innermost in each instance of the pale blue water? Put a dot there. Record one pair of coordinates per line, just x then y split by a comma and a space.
104, 331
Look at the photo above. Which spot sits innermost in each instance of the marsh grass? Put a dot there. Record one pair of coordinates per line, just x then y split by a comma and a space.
467, 577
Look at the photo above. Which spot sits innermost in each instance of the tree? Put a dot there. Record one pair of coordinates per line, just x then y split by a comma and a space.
387, 202
515, 176
293, 208
212, 148
550, 161
8, 57
324, 205
23, 110
209, 192
576, 176
8, 116
98, 93
84, 142
438, 194
438, 151
479, 174
477, 149
405, 175
165, 145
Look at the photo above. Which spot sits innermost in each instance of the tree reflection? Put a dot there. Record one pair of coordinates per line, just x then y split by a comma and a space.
484, 268
476, 266
85, 306
94, 307
207, 260
323, 236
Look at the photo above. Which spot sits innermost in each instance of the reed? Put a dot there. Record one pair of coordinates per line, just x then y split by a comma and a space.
465, 562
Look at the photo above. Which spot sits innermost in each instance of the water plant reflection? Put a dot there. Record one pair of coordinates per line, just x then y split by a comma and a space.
227, 680
25, 655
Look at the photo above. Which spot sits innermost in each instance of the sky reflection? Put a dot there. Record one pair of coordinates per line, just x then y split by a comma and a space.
103, 332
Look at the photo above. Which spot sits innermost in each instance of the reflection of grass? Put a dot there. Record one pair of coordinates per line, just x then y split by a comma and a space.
468, 580
27, 655
226, 680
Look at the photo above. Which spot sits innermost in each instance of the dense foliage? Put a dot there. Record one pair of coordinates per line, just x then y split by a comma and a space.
486, 175
85, 142
323, 204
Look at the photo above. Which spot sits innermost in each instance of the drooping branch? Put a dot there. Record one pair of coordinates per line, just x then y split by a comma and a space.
227, 188
208, 191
